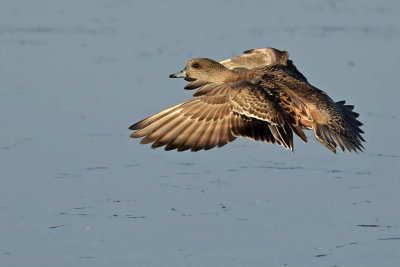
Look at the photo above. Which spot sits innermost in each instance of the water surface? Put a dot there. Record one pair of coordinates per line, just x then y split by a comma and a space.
75, 190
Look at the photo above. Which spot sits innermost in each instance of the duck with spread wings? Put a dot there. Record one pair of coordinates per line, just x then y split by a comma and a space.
259, 95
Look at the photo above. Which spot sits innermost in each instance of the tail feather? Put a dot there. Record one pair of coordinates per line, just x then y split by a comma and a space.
332, 139
350, 139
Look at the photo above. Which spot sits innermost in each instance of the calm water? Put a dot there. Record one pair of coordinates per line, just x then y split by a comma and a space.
76, 191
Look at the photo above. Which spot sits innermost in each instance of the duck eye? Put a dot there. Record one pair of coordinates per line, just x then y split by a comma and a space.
196, 65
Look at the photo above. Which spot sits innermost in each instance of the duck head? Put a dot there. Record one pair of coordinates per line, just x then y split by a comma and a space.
203, 69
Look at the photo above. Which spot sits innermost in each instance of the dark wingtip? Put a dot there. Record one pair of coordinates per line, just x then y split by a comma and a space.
133, 127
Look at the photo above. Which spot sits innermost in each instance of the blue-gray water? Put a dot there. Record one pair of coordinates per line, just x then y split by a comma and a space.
75, 190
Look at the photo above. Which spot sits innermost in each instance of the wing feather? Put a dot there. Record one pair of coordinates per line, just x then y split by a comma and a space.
217, 118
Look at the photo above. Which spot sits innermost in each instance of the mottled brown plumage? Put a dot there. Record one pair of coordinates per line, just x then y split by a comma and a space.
259, 95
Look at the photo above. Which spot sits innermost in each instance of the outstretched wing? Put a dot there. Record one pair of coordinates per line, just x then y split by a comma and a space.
200, 123
217, 118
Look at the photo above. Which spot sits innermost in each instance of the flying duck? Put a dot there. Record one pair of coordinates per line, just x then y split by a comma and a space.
258, 95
